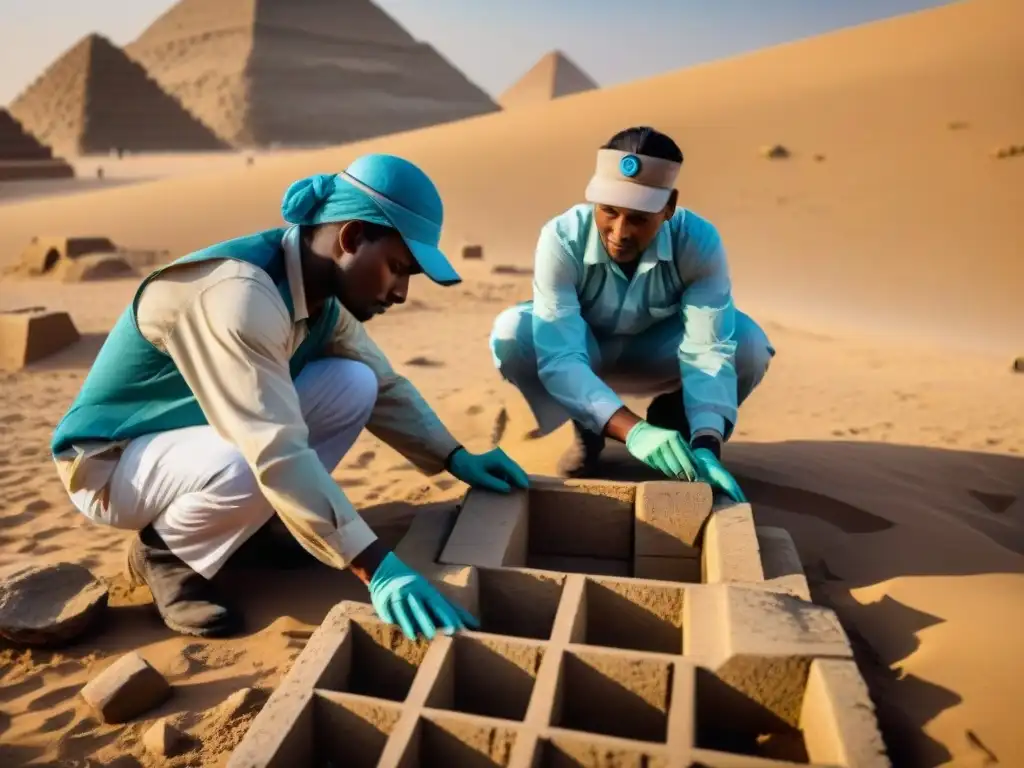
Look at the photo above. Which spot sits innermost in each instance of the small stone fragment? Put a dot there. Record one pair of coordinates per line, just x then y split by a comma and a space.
241, 703
49, 605
1018, 365
164, 740
472, 251
126, 689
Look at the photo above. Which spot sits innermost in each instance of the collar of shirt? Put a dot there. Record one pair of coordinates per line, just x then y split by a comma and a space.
293, 269
660, 249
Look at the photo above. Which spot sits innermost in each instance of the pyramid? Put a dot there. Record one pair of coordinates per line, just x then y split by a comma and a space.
22, 156
302, 72
554, 76
94, 99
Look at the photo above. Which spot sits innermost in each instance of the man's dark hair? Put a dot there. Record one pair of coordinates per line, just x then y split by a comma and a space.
644, 140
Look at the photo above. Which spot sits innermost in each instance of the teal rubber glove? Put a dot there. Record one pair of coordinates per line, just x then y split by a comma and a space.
662, 449
493, 470
711, 471
402, 596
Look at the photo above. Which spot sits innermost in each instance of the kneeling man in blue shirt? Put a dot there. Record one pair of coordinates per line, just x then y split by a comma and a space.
632, 295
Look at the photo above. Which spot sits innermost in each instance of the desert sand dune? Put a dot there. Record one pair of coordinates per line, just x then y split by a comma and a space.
896, 464
876, 101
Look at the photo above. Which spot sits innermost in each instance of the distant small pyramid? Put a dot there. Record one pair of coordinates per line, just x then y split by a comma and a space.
16, 144
94, 99
554, 76
23, 156
302, 72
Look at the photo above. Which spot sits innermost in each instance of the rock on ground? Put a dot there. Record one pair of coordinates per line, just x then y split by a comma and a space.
50, 605
126, 689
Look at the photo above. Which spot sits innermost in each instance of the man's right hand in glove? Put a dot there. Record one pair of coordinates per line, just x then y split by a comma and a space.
404, 597
663, 449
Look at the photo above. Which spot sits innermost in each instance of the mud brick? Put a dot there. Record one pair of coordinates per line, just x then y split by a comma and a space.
632, 614
725, 621
126, 689
488, 676
581, 518
676, 569
453, 739
491, 530
669, 518
780, 561
614, 693
354, 729
838, 717
730, 552
519, 602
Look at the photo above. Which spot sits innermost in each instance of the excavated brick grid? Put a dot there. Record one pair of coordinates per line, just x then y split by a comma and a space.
575, 669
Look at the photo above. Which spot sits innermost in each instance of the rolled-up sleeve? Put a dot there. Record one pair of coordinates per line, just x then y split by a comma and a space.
401, 417
707, 351
231, 344
560, 337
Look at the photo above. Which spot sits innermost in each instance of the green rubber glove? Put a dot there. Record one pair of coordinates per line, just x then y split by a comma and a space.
402, 596
493, 471
711, 471
662, 449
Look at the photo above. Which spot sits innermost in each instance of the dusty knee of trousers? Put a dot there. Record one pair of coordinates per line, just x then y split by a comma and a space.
511, 344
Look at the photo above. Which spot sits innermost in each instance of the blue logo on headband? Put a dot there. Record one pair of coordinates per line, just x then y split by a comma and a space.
629, 165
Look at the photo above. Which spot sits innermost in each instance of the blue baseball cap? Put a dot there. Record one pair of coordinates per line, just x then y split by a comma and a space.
380, 189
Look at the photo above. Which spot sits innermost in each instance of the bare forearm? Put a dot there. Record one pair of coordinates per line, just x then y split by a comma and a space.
620, 423
365, 564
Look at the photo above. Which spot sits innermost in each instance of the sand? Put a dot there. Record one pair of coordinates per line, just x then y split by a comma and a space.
897, 464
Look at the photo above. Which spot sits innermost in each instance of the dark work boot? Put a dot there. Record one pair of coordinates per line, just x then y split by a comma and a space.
666, 411
186, 601
582, 458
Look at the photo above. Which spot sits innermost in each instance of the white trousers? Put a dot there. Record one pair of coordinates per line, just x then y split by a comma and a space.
198, 491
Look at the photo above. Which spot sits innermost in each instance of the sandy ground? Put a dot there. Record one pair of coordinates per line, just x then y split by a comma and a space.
896, 463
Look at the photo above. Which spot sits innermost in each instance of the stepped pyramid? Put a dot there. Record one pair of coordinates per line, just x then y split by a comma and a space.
22, 156
302, 72
555, 75
94, 99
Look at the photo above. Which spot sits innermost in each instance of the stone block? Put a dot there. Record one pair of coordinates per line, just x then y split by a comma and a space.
27, 336
670, 517
730, 552
126, 689
491, 530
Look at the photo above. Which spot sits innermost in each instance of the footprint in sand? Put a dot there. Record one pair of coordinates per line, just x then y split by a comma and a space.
57, 722
51, 699
49, 533
363, 460
12, 418
473, 410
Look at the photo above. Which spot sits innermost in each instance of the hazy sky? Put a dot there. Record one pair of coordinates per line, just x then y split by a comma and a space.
492, 41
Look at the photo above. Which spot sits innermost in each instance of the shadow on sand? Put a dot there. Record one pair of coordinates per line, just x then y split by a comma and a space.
842, 501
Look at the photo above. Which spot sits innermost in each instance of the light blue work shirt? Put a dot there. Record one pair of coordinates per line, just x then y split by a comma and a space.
683, 272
